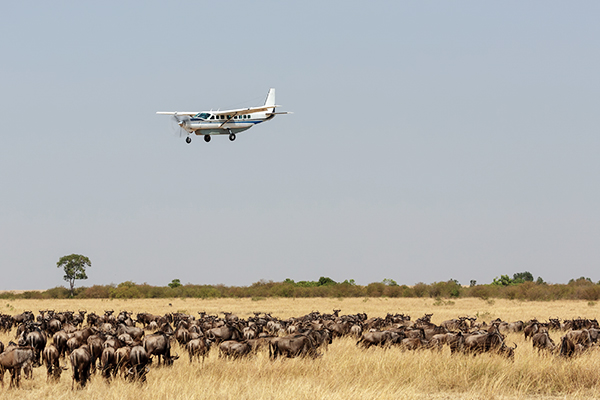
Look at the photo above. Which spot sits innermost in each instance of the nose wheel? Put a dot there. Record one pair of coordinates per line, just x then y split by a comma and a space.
188, 140
232, 136
207, 138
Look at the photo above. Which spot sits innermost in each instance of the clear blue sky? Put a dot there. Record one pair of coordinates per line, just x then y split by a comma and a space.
429, 141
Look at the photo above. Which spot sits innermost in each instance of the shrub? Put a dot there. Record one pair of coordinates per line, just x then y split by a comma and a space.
420, 289
375, 289
588, 292
96, 292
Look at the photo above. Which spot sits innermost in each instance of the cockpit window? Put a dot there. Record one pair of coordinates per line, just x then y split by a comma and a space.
202, 115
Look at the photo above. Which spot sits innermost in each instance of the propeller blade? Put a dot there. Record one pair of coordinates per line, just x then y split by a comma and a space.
177, 127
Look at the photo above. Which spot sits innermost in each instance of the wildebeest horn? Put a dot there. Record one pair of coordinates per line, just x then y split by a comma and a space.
515, 345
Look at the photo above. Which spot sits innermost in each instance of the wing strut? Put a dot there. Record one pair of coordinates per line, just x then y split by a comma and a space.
230, 118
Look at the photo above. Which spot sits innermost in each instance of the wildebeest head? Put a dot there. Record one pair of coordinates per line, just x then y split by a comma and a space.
171, 359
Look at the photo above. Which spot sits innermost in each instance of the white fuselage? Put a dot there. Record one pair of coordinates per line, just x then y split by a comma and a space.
207, 123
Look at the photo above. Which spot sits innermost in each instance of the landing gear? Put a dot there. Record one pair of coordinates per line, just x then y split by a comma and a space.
207, 138
232, 136
188, 140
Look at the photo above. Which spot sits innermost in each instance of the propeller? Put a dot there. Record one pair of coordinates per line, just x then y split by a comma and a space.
177, 126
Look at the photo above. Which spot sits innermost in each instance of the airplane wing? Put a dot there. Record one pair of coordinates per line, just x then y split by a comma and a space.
190, 113
241, 111
232, 113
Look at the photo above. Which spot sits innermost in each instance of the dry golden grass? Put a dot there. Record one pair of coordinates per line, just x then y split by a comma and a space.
344, 371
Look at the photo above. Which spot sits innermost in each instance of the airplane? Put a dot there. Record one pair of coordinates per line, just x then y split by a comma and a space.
226, 122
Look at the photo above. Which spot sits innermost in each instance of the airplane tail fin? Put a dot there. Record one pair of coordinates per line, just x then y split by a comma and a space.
270, 98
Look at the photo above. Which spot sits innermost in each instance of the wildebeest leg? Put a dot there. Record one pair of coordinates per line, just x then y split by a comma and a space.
75, 378
15, 377
28, 370
12, 377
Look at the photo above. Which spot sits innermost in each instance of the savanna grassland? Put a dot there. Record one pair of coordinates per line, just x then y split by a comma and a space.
344, 371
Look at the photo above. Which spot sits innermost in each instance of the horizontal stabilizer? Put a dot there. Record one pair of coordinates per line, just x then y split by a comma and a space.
280, 112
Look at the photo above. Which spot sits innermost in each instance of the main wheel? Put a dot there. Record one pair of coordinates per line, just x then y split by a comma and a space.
188, 140
232, 136
207, 138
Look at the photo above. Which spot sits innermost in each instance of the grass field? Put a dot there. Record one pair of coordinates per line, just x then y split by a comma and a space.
344, 371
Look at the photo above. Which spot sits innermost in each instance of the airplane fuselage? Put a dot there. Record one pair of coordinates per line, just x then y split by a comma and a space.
207, 123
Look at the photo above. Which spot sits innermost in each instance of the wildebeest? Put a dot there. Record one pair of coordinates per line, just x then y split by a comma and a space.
456, 324
581, 337
339, 329
356, 330
95, 343
488, 342
292, 346
78, 318
108, 362
83, 334
122, 359
24, 317
51, 357
158, 344
234, 349
182, 335
438, 341
412, 343
226, 332
543, 341
60, 339
197, 348
456, 342
13, 360
80, 365
531, 329
138, 360
135, 333
378, 338
35, 338
568, 348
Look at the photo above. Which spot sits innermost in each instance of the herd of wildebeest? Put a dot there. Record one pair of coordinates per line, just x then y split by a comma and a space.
121, 346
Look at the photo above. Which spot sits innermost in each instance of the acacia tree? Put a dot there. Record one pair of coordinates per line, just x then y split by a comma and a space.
74, 266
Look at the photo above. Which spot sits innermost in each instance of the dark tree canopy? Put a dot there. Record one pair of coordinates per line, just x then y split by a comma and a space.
174, 283
74, 266
521, 277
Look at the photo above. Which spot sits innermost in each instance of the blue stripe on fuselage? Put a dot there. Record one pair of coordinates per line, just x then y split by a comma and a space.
229, 122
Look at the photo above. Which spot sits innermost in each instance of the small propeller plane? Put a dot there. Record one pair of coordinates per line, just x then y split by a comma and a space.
227, 122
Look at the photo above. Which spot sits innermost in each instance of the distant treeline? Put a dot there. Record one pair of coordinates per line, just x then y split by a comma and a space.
506, 288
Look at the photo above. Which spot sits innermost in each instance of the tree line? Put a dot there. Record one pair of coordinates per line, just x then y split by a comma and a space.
520, 287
